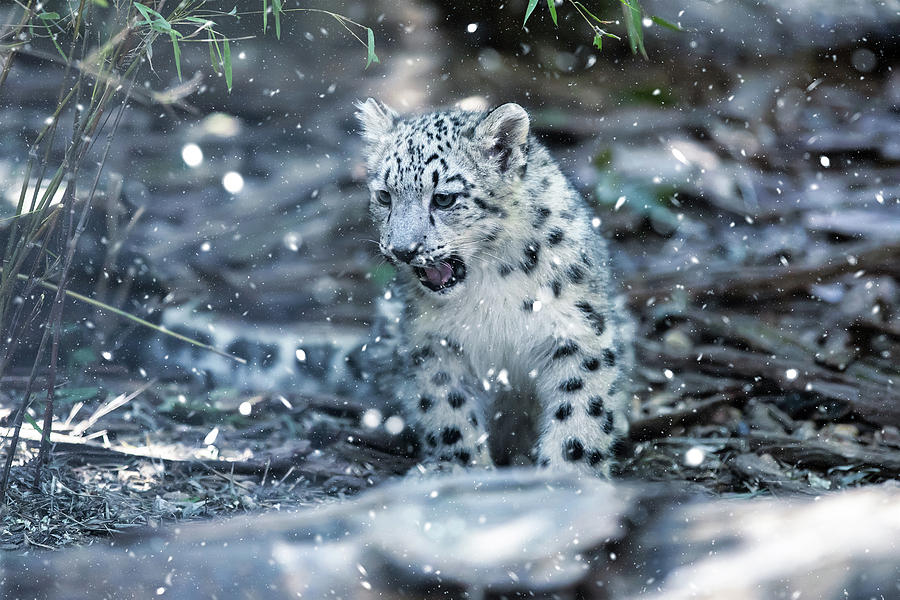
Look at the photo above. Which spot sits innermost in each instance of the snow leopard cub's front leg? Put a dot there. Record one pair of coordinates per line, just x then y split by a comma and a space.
582, 396
445, 406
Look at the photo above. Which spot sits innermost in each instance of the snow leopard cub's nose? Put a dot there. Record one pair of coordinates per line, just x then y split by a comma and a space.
408, 253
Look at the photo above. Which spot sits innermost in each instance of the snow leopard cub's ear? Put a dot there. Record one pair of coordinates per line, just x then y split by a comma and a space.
503, 135
376, 118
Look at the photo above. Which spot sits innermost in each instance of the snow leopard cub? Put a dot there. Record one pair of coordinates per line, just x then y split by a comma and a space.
510, 347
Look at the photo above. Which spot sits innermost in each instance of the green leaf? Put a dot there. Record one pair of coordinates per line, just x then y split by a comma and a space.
265, 16
131, 317
78, 394
383, 274
155, 20
531, 5
226, 59
58, 47
48, 16
370, 47
276, 9
552, 6
213, 52
102, 3
212, 55
177, 53
632, 13
589, 13
663, 23
145, 11
33, 423
598, 41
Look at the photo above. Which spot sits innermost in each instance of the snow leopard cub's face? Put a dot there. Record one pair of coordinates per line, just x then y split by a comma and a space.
441, 185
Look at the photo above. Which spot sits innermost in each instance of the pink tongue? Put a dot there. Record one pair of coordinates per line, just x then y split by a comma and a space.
439, 275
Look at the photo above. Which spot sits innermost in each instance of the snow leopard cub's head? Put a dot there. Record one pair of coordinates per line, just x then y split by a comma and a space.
441, 186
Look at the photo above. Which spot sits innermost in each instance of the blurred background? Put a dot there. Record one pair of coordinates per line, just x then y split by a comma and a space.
745, 172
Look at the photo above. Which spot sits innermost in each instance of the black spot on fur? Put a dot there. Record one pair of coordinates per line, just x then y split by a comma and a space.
431, 440
532, 254
613, 388
544, 462
450, 435
556, 286
573, 449
563, 412
425, 403
434, 178
567, 348
555, 236
595, 406
528, 304
541, 214
575, 273
594, 457
504, 270
453, 345
441, 378
492, 235
586, 259
619, 448
609, 358
591, 363
463, 457
572, 384
456, 399
421, 355
491, 208
473, 419
597, 320
608, 423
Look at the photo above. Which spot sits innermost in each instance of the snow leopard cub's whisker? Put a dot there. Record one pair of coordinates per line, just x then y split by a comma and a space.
499, 275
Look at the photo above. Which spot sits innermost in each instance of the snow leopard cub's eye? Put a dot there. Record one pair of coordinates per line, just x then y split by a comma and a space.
443, 200
383, 197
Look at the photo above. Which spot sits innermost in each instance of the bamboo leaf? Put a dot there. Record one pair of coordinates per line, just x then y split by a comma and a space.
48, 16
226, 59
265, 16
584, 9
145, 11
370, 47
598, 41
33, 423
530, 9
131, 317
631, 10
551, 4
212, 54
177, 51
156, 21
663, 23
58, 47
276, 10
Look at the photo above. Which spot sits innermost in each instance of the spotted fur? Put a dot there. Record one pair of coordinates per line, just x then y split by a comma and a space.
507, 324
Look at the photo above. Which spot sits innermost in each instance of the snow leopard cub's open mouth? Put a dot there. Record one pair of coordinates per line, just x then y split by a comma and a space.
443, 274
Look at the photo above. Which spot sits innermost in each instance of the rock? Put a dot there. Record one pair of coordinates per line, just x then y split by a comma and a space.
511, 532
